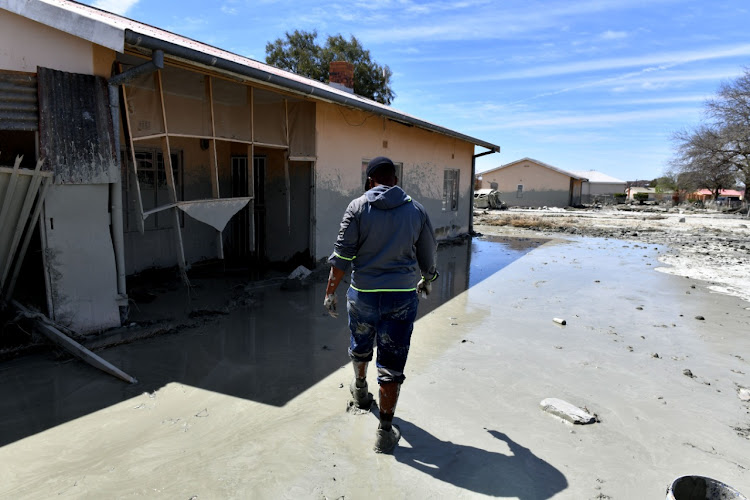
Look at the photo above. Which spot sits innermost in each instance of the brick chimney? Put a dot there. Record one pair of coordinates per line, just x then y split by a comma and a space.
341, 75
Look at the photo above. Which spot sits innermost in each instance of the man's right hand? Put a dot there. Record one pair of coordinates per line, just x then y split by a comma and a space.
424, 287
330, 305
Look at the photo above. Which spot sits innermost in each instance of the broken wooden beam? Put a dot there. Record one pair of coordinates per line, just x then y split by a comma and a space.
46, 327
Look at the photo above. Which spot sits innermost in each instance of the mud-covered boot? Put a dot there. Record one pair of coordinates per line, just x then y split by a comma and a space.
387, 435
386, 440
361, 397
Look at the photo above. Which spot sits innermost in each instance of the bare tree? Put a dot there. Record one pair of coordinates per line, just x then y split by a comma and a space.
730, 111
703, 159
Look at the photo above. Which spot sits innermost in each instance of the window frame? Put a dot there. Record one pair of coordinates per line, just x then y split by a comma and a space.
151, 161
399, 173
451, 180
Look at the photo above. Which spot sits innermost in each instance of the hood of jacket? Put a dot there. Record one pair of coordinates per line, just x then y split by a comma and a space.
386, 198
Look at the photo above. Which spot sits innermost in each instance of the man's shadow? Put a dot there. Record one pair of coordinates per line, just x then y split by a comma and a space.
521, 474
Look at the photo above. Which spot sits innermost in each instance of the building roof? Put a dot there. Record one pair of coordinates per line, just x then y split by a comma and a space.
596, 177
559, 170
723, 192
120, 33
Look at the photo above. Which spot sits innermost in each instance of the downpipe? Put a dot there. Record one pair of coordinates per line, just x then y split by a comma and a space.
115, 188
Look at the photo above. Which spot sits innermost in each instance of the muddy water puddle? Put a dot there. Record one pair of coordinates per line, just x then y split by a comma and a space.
272, 347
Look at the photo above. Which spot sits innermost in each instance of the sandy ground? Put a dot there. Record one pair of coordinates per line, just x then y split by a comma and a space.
664, 384
703, 245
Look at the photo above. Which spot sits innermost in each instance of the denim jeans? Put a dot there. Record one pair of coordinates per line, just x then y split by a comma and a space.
386, 318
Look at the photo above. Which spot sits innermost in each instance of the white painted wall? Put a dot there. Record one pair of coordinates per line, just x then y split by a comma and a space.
26, 44
79, 257
345, 137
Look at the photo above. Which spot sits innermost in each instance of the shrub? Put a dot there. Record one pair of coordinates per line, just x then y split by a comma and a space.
640, 197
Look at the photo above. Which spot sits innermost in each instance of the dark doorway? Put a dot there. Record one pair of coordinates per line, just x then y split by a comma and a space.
241, 248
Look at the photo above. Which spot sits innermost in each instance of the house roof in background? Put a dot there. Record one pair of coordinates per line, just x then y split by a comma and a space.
596, 177
723, 192
117, 32
540, 163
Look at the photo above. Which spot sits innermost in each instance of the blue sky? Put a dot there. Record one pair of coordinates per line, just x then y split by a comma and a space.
580, 85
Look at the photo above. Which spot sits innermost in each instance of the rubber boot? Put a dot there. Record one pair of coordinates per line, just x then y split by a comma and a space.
361, 397
387, 435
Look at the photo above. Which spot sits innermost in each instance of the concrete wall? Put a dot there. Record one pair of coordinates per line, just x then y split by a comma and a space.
26, 44
541, 185
346, 137
286, 236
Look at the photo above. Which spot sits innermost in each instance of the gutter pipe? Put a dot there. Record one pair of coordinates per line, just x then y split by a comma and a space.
149, 42
115, 188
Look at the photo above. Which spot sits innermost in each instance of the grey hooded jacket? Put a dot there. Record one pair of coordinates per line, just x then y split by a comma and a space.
388, 240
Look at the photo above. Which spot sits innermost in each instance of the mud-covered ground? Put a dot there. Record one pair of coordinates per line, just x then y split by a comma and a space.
699, 244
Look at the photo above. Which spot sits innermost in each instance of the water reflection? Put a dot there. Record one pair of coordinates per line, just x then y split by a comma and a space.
269, 352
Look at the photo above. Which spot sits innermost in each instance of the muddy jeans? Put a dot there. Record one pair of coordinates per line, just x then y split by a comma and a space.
385, 317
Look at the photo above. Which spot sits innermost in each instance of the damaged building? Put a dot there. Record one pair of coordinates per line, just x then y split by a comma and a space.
124, 148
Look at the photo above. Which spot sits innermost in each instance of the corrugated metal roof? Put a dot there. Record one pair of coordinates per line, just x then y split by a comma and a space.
108, 29
19, 109
75, 128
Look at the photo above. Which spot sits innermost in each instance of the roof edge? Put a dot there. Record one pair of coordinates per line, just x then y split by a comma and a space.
142, 40
540, 163
74, 23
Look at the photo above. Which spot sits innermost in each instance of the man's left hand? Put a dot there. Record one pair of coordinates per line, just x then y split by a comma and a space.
330, 305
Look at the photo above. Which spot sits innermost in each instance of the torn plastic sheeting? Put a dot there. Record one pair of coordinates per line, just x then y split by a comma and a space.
215, 213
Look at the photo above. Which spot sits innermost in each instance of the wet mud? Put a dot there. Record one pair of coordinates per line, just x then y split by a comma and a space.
248, 407
259, 341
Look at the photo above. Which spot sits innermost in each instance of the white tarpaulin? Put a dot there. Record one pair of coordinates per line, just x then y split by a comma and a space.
215, 213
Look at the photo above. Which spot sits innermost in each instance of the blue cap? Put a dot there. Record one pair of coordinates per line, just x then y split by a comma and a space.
376, 163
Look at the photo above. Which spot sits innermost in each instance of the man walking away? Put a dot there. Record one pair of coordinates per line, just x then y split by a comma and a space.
388, 241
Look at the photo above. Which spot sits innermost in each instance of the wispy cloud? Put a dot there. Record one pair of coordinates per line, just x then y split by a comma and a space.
653, 62
613, 35
120, 7
544, 120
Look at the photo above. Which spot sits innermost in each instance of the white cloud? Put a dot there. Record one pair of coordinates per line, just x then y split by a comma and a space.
655, 62
120, 7
613, 35
546, 119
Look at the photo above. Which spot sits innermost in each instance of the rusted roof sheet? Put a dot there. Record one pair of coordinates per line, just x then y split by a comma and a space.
18, 101
75, 127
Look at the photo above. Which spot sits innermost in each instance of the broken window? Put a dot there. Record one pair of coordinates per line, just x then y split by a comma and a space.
450, 190
399, 171
152, 179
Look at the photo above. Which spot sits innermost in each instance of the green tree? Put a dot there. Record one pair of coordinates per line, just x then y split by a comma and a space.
300, 53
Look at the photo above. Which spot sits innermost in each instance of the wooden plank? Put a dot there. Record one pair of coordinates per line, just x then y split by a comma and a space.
134, 163
9, 192
25, 245
28, 202
169, 173
47, 328
214, 163
251, 169
26, 171
287, 180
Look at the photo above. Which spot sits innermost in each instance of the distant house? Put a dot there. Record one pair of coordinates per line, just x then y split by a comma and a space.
653, 195
532, 183
727, 195
158, 151
599, 186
